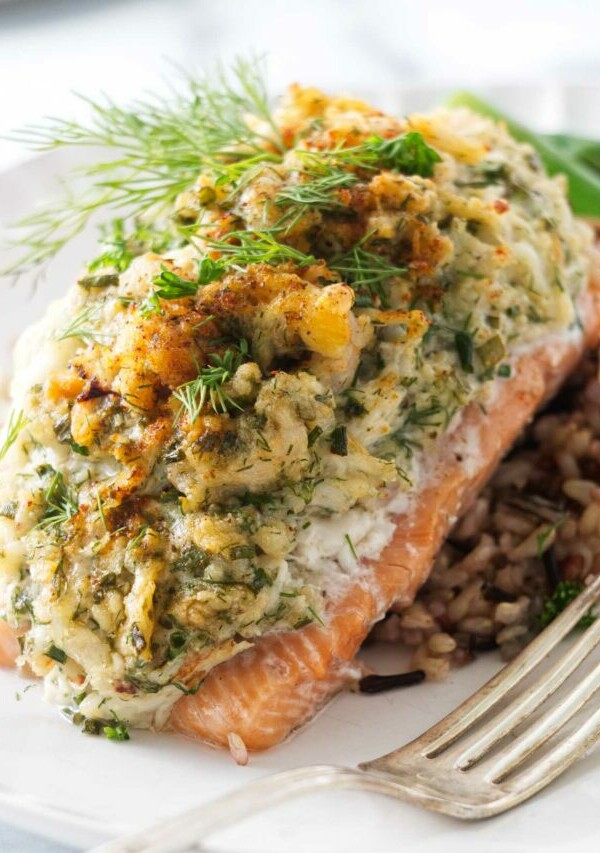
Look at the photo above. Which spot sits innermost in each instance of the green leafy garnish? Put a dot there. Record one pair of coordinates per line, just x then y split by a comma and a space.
367, 272
339, 441
314, 435
168, 285
408, 153
61, 504
241, 248
83, 328
116, 731
351, 546
121, 247
81, 449
160, 145
99, 282
56, 654
208, 385
319, 192
491, 352
416, 420
16, 422
563, 595
463, 342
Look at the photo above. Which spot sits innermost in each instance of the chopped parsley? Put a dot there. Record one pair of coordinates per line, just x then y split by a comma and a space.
116, 731
563, 595
169, 285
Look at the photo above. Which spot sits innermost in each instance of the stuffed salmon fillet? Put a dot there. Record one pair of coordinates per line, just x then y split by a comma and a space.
245, 432
267, 692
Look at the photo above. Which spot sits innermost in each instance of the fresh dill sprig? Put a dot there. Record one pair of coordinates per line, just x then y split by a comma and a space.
61, 504
169, 285
352, 546
407, 153
16, 422
367, 272
121, 247
101, 512
318, 192
416, 420
82, 327
241, 248
208, 385
161, 144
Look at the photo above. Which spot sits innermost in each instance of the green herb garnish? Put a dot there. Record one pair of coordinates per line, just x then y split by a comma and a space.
56, 654
160, 145
208, 385
319, 192
241, 248
117, 731
339, 441
492, 351
168, 285
367, 272
416, 420
83, 328
61, 504
314, 435
98, 282
463, 342
81, 449
351, 546
16, 422
408, 153
563, 595
121, 247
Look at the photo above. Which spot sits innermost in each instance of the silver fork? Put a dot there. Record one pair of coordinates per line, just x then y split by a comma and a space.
449, 768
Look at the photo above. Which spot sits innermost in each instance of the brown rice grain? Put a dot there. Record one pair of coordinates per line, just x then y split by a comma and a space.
459, 607
579, 490
441, 644
476, 625
507, 613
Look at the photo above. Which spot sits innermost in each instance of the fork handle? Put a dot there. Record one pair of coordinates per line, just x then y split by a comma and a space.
192, 827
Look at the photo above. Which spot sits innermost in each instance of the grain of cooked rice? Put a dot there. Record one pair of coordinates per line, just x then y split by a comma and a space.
238, 749
440, 644
535, 524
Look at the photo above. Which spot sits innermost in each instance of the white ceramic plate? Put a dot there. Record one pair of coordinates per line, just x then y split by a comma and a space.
81, 790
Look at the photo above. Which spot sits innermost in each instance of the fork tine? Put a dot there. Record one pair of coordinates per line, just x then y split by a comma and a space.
546, 726
552, 764
455, 724
470, 750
